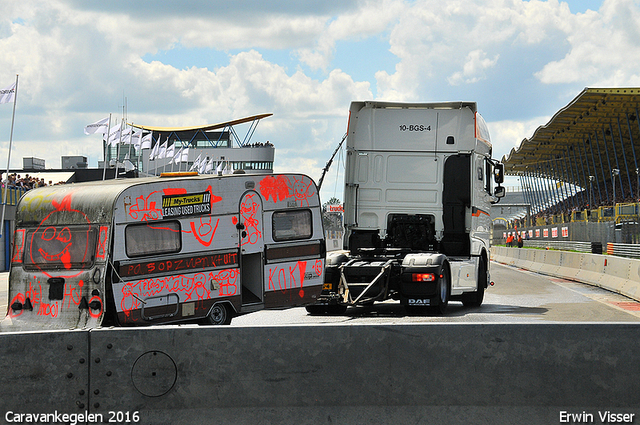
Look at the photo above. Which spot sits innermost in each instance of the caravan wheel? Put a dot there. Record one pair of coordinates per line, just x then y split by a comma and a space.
220, 314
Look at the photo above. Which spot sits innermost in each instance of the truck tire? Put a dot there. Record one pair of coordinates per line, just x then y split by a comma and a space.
220, 314
444, 291
475, 299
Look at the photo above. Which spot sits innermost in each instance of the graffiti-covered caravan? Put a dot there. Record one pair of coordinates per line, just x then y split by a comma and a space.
162, 250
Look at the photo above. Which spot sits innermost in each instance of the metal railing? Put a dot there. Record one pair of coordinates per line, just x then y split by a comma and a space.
619, 249
13, 195
561, 245
624, 249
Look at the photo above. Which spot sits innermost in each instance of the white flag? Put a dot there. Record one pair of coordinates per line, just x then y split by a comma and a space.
136, 139
101, 126
170, 151
114, 135
147, 141
209, 166
176, 158
182, 155
154, 152
126, 136
204, 163
162, 150
220, 167
7, 94
196, 163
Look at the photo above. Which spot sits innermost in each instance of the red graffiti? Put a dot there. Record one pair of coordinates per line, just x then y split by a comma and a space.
280, 188
51, 243
275, 187
20, 298
317, 267
99, 311
190, 288
227, 281
249, 213
48, 309
288, 277
204, 230
174, 191
301, 190
69, 295
101, 254
64, 205
18, 246
144, 209
72, 297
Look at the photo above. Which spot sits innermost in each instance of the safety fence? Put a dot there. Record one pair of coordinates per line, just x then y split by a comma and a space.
618, 249
607, 232
13, 194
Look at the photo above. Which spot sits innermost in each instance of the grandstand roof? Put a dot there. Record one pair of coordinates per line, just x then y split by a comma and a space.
588, 153
595, 113
597, 133
206, 127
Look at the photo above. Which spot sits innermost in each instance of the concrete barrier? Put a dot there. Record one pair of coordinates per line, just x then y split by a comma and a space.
336, 374
617, 274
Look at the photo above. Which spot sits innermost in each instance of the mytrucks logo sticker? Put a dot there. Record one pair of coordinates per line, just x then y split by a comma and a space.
184, 205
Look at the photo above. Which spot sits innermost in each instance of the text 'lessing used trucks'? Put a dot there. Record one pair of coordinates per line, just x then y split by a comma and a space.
160, 250
419, 184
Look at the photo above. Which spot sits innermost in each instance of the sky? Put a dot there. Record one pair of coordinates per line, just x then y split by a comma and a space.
208, 61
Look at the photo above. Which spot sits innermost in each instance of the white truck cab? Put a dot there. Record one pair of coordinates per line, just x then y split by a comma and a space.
419, 183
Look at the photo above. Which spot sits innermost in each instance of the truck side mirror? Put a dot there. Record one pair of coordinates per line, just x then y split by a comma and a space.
498, 173
499, 192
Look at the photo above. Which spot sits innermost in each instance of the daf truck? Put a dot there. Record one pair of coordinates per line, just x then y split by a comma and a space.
419, 184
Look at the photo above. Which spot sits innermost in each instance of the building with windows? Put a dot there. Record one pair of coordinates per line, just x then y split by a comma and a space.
215, 148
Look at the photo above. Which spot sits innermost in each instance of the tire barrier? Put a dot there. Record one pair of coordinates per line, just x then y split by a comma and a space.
337, 374
616, 274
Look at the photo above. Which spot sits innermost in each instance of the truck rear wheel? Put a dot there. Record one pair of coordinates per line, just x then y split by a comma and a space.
220, 314
444, 291
475, 299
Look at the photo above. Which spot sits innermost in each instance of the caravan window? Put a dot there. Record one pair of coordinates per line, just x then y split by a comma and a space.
57, 247
153, 238
292, 225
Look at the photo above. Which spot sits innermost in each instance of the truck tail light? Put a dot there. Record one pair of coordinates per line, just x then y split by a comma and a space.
423, 277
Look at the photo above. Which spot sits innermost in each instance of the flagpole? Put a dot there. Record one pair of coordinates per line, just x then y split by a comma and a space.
130, 143
146, 169
6, 189
106, 146
118, 149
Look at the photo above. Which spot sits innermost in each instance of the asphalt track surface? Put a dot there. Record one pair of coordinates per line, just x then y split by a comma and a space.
518, 296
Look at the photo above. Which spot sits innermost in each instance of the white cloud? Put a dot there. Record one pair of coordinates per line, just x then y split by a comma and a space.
474, 68
371, 18
507, 134
602, 45
520, 60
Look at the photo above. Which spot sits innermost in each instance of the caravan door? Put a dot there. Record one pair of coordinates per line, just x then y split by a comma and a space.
251, 248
